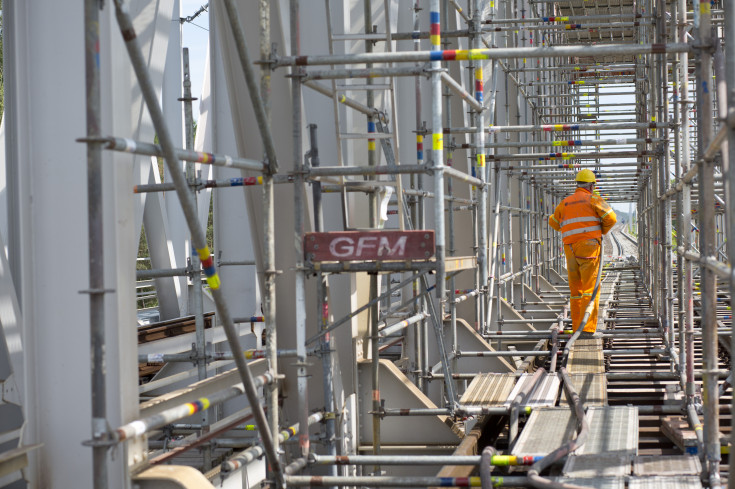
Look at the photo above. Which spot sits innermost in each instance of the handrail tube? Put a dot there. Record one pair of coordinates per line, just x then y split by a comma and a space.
190, 356
246, 456
496, 53
149, 149
399, 481
146, 425
403, 324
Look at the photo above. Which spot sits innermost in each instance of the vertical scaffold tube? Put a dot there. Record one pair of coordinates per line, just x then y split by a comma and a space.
196, 272
437, 148
199, 240
685, 236
269, 232
707, 246
417, 209
730, 184
301, 373
678, 151
480, 161
96, 244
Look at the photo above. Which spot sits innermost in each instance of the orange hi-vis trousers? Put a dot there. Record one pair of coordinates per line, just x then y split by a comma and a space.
583, 261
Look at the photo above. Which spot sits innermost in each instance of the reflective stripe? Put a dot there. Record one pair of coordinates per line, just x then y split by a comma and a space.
581, 219
576, 297
581, 230
552, 217
608, 212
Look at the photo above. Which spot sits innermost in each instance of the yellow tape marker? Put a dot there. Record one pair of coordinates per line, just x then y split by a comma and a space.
437, 142
213, 282
203, 253
481, 160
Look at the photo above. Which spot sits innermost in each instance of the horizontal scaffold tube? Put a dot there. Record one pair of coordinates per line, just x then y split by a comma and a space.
497, 460
363, 73
570, 156
246, 456
460, 410
721, 269
202, 184
397, 481
394, 328
574, 126
146, 425
214, 356
586, 51
148, 149
519, 353
570, 142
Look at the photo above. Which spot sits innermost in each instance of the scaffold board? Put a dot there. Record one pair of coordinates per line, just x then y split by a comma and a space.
611, 465
489, 389
596, 483
546, 430
667, 465
592, 389
687, 482
612, 429
544, 393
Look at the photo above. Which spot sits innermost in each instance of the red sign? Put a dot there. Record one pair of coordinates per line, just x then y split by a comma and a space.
369, 245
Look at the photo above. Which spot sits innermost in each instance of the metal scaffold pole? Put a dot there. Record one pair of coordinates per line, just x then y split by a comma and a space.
96, 245
706, 214
269, 232
730, 189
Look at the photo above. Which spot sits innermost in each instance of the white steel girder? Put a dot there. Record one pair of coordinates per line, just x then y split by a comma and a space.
48, 229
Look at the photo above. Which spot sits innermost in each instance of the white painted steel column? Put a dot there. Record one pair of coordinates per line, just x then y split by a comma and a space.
49, 224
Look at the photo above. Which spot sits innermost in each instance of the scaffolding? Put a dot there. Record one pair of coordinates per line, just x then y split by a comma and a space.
453, 271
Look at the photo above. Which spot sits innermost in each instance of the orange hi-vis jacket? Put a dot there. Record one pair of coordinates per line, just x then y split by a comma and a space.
582, 215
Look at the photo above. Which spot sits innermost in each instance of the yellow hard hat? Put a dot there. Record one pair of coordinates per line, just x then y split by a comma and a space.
586, 176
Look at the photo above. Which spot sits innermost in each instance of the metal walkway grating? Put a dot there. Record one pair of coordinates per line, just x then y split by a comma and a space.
687, 482
667, 465
612, 430
586, 361
546, 430
592, 389
597, 483
489, 390
597, 466
586, 357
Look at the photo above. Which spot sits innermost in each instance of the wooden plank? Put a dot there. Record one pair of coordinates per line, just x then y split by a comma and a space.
677, 430
343, 246
468, 446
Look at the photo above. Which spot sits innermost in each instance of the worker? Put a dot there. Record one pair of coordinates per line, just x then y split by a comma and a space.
583, 218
